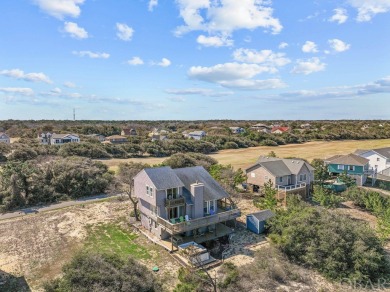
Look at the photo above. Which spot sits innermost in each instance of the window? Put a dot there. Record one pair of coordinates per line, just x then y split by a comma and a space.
153, 209
173, 193
280, 179
378, 159
175, 212
266, 177
351, 167
209, 207
302, 177
253, 174
149, 191
340, 167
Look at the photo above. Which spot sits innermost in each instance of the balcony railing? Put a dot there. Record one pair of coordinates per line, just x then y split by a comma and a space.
291, 187
169, 203
198, 222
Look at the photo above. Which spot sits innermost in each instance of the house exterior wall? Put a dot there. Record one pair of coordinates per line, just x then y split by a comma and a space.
5, 139
198, 200
380, 165
258, 176
359, 170
60, 141
309, 175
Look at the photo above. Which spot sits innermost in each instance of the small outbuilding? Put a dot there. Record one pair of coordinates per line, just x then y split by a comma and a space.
255, 222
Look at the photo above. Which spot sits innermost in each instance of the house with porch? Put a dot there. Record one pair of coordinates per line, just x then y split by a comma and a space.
60, 139
183, 205
116, 139
353, 165
196, 135
4, 138
379, 159
289, 176
237, 130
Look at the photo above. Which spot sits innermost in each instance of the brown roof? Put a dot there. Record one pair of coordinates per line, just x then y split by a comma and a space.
350, 159
129, 131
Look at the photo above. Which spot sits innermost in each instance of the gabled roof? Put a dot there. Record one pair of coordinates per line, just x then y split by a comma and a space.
2, 133
262, 215
197, 133
190, 175
281, 167
282, 129
383, 151
163, 177
350, 159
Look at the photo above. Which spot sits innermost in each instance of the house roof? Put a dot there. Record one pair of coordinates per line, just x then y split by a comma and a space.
197, 133
129, 131
2, 133
281, 167
115, 137
282, 129
190, 175
350, 159
163, 177
262, 215
383, 151
260, 126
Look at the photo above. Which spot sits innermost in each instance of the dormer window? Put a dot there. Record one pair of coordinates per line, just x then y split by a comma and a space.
173, 193
149, 191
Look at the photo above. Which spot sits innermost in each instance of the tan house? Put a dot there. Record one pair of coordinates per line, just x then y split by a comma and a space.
116, 139
287, 175
128, 132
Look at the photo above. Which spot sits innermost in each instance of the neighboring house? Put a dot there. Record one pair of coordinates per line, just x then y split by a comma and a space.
158, 137
184, 204
44, 138
287, 175
197, 135
305, 126
116, 139
379, 159
128, 132
237, 130
353, 165
98, 137
280, 130
4, 138
255, 222
60, 139
261, 128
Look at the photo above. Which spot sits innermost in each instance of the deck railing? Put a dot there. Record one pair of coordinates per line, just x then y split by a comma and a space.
291, 187
169, 203
198, 222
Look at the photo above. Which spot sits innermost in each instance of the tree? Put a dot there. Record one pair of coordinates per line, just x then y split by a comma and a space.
321, 173
104, 272
272, 154
125, 181
268, 199
326, 197
227, 176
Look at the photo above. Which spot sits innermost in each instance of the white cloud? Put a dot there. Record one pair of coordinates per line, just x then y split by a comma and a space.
60, 8
214, 41
124, 32
17, 90
92, 55
177, 98
198, 91
75, 31
308, 66
19, 74
309, 47
226, 16
338, 45
340, 16
376, 87
283, 45
135, 61
152, 4
163, 63
266, 57
70, 84
235, 75
367, 9
56, 90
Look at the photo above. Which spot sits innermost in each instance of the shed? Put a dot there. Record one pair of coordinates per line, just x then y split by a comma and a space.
255, 222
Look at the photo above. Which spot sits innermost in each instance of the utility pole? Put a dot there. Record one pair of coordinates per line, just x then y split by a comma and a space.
74, 114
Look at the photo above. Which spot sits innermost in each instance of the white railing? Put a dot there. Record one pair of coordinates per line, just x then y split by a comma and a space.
291, 187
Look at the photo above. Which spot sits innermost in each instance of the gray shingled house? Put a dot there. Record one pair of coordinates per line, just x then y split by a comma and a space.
183, 205
287, 175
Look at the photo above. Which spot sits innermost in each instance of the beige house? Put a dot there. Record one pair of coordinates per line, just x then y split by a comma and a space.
287, 175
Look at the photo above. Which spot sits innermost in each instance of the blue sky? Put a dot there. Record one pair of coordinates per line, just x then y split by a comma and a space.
187, 59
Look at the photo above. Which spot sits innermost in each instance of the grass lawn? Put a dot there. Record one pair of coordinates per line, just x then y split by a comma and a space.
246, 156
113, 238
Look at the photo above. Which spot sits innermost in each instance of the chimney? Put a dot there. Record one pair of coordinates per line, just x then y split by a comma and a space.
197, 190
